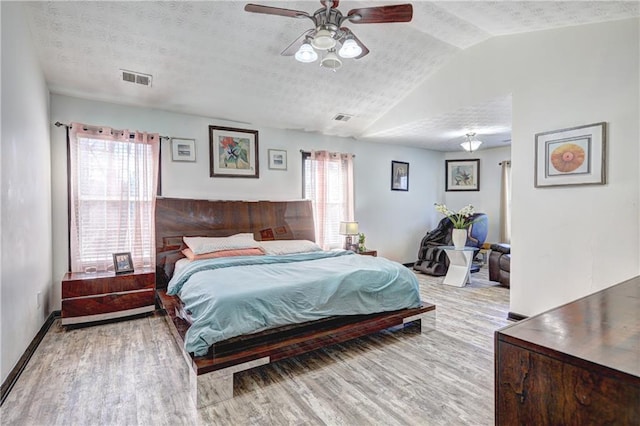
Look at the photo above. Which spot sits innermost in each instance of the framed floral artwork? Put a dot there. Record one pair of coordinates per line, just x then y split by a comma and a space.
462, 175
399, 176
573, 156
233, 152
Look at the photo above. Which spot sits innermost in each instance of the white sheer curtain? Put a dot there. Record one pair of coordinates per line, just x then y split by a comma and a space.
112, 187
505, 203
329, 183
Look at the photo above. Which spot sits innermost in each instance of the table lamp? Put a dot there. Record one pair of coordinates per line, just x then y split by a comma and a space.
349, 229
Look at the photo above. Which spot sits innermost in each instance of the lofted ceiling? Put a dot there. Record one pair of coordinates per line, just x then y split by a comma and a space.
213, 59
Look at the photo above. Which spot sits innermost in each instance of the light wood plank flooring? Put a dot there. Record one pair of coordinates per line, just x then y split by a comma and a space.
131, 373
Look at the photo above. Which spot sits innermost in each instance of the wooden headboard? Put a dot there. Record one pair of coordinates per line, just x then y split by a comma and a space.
178, 217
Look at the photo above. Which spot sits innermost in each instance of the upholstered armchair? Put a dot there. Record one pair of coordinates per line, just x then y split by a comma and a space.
500, 264
433, 260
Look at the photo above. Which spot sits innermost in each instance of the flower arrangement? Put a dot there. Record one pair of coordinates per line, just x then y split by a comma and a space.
361, 246
460, 219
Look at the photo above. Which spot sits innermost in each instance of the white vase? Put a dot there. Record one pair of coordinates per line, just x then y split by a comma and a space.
459, 237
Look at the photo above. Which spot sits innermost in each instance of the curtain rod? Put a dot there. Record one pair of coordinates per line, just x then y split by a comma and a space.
309, 152
59, 124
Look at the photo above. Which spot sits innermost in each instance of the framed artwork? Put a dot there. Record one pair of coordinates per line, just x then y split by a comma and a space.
462, 175
277, 159
122, 263
399, 176
183, 149
574, 156
233, 152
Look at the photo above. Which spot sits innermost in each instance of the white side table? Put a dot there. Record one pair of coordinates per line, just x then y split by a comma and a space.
459, 265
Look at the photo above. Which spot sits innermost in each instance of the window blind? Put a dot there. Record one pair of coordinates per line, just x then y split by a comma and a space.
328, 182
112, 196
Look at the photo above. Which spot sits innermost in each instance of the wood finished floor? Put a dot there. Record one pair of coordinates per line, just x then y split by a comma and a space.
131, 373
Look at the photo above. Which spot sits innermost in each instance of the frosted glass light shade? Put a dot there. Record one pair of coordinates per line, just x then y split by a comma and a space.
348, 228
471, 145
331, 61
323, 40
350, 49
306, 54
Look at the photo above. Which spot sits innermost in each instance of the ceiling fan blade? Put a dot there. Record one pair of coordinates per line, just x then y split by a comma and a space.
382, 14
293, 47
268, 10
365, 51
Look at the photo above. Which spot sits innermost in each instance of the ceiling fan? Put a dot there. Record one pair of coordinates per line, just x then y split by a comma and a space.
328, 34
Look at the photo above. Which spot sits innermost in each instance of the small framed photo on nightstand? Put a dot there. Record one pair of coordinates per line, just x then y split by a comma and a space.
122, 263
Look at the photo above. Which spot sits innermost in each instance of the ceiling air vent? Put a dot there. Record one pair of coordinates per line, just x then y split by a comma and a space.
342, 117
136, 77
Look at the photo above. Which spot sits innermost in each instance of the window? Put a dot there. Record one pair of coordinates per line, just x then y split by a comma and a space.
112, 187
328, 182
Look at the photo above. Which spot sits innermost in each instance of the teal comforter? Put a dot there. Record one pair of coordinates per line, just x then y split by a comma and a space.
229, 297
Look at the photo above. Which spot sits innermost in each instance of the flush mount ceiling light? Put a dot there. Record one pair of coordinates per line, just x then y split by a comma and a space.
471, 144
328, 34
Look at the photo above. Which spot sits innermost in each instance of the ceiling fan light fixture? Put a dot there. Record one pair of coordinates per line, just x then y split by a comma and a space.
331, 61
323, 40
471, 144
306, 54
350, 49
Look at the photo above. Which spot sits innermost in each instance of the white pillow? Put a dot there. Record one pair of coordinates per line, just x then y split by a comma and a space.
279, 247
202, 245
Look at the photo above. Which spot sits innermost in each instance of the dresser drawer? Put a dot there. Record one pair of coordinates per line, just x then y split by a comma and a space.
83, 284
88, 297
115, 305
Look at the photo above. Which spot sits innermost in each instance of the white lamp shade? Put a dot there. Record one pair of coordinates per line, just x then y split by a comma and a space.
350, 49
323, 40
471, 145
348, 228
306, 54
331, 61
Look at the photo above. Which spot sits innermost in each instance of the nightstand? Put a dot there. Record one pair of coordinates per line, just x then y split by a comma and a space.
88, 297
373, 253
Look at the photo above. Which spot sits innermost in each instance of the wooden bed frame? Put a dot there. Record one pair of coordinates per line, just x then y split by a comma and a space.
211, 376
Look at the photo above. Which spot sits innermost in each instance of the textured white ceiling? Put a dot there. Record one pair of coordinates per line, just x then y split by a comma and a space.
215, 60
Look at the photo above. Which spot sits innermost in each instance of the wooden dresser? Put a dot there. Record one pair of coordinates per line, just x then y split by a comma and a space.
88, 297
577, 364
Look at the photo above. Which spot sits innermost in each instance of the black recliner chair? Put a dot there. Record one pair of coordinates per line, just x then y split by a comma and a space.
433, 260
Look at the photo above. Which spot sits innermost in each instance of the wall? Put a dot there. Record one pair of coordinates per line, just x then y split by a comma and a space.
26, 191
572, 241
487, 200
569, 240
393, 221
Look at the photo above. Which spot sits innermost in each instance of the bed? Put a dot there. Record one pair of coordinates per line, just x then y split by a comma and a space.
240, 340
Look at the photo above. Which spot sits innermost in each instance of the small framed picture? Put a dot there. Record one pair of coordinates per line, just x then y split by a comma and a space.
462, 175
277, 159
183, 149
233, 152
399, 176
122, 263
574, 156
